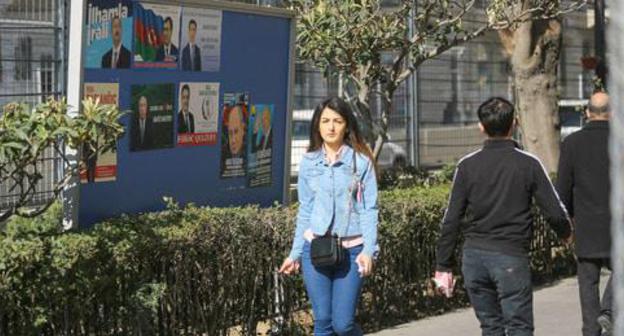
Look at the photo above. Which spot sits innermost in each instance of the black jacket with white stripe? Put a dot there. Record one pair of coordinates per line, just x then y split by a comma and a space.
492, 194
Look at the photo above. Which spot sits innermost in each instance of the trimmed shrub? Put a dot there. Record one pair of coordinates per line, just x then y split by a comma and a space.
212, 271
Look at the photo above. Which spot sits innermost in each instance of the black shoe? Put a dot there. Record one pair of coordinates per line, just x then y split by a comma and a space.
605, 322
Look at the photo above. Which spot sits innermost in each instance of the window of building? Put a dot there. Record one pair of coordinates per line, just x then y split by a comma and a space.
46, 73
23, 56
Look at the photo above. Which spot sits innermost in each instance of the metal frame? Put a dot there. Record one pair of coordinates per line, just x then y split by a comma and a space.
289, 112
75, 75
229, 6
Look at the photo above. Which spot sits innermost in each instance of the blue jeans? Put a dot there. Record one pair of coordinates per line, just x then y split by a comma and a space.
500, 291
334, 292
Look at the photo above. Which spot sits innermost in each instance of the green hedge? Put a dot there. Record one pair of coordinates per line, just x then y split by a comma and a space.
199, 271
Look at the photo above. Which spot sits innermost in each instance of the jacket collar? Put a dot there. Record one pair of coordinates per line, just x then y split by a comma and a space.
597, 124
500, 143
345, 156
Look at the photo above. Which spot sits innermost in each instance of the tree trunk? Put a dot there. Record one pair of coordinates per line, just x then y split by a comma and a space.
535, 61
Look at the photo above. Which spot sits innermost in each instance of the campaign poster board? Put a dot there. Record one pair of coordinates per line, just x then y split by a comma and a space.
255, 67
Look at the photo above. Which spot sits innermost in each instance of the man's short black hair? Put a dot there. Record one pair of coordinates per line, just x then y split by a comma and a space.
496, 115
192, 22
170, 20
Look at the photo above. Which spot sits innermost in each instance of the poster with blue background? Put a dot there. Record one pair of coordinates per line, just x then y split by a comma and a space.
260, 145
108, 34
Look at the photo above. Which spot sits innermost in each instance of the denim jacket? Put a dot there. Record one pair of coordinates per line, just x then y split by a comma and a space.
327, 192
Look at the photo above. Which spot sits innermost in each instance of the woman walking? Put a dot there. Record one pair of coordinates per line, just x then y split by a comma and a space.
336, 232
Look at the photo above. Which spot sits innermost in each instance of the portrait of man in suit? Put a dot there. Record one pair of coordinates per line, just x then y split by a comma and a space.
167, 52
191, 54
262, 137
186, 121
118, 57
142, 127
236, 131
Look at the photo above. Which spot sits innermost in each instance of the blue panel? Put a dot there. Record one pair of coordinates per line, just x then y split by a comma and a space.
254, 59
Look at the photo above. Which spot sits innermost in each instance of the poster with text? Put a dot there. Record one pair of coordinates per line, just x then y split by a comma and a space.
102, 167
108, 37
198, 114
233, 134
152, 116
156, 36
201, 39
260, 145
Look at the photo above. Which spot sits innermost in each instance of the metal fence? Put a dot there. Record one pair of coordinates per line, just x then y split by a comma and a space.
450, 87
32, 67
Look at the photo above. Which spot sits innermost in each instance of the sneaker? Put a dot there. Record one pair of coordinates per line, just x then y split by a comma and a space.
605, 322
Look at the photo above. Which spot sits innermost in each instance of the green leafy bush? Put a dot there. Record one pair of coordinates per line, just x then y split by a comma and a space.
192, 271
27, 136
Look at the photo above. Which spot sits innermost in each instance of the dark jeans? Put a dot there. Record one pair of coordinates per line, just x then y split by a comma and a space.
588, 274
500, 291
334, 292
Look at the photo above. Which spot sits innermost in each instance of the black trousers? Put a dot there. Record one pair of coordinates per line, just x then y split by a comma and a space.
588, 273
500, 291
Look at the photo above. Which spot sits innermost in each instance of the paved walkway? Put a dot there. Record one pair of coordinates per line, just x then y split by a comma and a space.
556, 308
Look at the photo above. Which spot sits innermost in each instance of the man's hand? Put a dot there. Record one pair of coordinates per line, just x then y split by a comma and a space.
570, 238
444, 283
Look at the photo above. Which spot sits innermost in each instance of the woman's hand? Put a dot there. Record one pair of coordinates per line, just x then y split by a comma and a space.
365, 264
289, 267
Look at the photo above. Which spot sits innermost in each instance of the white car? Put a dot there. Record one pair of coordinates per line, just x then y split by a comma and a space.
392, 155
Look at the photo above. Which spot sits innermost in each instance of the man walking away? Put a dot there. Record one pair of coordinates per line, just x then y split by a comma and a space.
493, 189
583, 183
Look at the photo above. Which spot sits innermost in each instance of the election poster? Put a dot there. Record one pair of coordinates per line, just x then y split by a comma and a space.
152, 116
201, 39
260, 145
108, 35
156, 36
102, 167
198, 114
233, 134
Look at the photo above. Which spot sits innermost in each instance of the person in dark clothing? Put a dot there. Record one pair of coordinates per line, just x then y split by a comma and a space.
494, 188
583, 183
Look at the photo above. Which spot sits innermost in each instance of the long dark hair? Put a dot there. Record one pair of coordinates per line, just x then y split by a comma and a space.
353, 137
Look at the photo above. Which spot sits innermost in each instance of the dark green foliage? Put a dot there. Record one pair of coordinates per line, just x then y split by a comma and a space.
202, 271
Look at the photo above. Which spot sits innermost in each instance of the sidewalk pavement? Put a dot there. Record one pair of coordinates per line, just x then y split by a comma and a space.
556, 311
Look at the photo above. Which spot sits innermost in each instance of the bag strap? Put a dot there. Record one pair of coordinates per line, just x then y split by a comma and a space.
354, 177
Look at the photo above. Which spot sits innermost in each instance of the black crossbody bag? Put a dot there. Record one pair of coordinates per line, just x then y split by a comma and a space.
327, 250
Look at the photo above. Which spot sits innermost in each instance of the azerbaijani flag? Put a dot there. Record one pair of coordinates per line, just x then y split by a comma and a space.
148, 29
